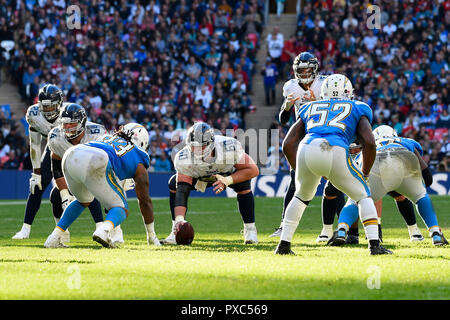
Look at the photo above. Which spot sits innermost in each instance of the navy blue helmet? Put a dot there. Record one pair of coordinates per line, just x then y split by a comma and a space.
50, 101
74, 114
200, 139
306, 67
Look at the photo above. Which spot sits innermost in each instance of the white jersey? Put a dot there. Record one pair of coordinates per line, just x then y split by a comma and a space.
38, 122
292, 86
58, 143
228, 152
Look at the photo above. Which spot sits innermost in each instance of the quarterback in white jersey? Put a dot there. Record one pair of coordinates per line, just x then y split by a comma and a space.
210, 160
305, 87
41, 118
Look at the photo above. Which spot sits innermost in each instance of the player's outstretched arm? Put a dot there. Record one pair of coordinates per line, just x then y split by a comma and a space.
60, 181
367, 140
426, 172
285, 112
145, 203
142, 193
291, 141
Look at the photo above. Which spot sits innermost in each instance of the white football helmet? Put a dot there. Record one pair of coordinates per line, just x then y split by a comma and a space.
139, 135
336, 86
384, 132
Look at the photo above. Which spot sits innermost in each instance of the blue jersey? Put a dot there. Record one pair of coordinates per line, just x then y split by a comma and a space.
397, 142
333, 120
124, 156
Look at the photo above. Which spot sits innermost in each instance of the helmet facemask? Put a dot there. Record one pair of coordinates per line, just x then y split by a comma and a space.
50, 109
71, 128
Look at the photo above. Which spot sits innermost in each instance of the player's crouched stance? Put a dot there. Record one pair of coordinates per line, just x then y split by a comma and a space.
216, 161
326, 128
93, 170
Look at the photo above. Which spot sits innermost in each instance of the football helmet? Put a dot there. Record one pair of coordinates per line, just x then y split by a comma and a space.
50, 101
302, 63
383, 132
73, 113
200, 140
336, 86
139, 135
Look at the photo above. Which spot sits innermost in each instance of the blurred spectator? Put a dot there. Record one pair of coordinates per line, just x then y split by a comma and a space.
162, 164
270, 74
153, 62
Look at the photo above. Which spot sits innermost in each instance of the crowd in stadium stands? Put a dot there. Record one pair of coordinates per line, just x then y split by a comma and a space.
161, 63
172, 62
401, 70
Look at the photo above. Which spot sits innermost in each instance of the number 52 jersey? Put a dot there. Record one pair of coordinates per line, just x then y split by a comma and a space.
333, 120
123, 155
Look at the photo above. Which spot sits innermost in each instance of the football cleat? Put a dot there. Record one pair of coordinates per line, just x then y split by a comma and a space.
352, 239
338, 238
24, 233
250, 235
416, 237
376, 250
438, 239
54, 241
283, 248
102, 236
116, 235
276, 233
324, 236
169, 240
65, 238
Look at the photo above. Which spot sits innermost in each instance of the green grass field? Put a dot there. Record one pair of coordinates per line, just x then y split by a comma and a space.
218, 265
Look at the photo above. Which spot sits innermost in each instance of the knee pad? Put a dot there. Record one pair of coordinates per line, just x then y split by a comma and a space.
173, 183
367, 210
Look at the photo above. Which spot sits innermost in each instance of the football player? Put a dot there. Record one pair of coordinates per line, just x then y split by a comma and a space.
93, 170
74, 129
210, 160
398, 167
326, 128
41, 117
304, 88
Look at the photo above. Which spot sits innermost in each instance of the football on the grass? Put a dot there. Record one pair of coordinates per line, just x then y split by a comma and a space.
185, 233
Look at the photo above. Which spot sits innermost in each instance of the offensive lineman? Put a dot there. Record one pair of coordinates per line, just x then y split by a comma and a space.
212, 160
326, 128
74, 129
93, 170
398, 167
304, 88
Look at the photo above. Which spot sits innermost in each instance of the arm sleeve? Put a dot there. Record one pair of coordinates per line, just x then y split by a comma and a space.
284, 114
35, 149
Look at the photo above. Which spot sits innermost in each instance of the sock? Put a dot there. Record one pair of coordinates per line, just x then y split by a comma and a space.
328, 210
26, 226
115, 216
150, 229
249, 226
348, 216
368, 216
246, 205
55, 199
413, 229
72, 212
406, 209
328, 228
172, 204
98, 224
294, 213
427, 213
340, 203
289, 194
96, 211
33, 205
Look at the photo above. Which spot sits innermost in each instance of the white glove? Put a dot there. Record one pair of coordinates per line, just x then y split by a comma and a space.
35, 181
153, 240
225, 180
66, 198
128, 184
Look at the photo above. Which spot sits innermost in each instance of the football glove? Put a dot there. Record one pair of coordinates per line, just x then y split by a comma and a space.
66, 198
35, 181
